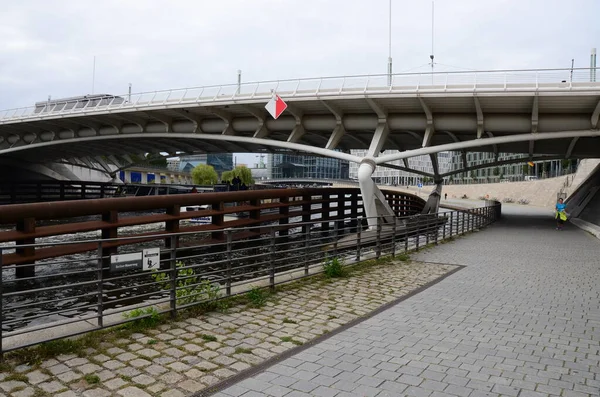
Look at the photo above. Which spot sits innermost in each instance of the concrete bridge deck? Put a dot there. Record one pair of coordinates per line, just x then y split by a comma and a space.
521, 319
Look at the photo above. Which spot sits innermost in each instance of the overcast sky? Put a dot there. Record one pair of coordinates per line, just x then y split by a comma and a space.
48, 47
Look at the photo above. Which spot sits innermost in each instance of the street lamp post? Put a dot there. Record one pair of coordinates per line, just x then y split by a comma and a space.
389, 65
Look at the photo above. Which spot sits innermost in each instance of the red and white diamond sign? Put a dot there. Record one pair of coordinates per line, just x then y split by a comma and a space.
276, 106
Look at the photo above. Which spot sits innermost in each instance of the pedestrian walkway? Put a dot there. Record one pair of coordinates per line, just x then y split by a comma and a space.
522, 319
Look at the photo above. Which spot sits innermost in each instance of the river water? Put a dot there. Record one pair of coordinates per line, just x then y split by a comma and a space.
33, 303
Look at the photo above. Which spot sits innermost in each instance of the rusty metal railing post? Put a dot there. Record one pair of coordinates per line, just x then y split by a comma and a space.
427, 228
306, 229
406, 226
451, 222
418, 234
378, 249
100, 277
437, 228
394, 237
229, 259
335, 239
26, 270
358, 237
173, 272
272, 264
1, 306
463, 223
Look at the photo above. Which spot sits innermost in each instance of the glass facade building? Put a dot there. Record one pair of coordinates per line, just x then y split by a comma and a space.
301, 166
510, 172
221, 162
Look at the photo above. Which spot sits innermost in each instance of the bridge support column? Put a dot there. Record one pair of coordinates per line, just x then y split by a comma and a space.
144, 177
373, 199
432, 205
127, 176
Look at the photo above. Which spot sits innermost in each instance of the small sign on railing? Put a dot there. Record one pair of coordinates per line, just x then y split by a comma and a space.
148, 259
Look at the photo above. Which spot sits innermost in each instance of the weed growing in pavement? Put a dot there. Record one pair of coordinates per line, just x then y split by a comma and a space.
142, 318
257, 297
334, 267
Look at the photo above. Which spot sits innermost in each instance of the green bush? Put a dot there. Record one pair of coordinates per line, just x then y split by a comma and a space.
190, 287
334, 267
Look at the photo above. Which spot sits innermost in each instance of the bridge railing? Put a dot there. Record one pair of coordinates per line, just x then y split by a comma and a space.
74, 295
503, 80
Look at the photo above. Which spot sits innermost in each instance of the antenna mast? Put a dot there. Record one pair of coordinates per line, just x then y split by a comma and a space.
94, 75
432, 37
389, 65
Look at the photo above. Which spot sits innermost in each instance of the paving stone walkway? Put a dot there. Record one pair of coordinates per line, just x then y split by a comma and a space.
522, 319
184, 357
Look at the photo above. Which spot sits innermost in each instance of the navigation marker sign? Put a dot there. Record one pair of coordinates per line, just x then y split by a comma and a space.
276, 106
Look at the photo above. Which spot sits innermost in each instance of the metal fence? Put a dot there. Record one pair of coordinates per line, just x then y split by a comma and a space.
77, 294
490, 80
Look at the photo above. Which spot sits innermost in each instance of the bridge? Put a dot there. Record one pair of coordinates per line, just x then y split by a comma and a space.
546, 114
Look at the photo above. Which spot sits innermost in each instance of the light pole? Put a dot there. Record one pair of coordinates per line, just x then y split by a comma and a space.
389, 65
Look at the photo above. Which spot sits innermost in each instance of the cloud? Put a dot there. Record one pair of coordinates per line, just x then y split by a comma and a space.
48, 47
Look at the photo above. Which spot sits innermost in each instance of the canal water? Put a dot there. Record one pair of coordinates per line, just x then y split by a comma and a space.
66, 287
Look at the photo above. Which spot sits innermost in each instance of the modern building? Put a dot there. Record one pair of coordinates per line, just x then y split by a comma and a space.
220, 162
173, 164
390, 176
510, 172
303, 166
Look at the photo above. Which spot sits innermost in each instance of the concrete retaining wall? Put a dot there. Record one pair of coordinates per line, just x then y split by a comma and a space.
541, 193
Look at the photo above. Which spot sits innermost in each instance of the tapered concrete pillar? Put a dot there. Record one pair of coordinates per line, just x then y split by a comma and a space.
374, 201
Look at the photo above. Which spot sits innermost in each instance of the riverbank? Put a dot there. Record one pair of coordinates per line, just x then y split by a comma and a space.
190, 354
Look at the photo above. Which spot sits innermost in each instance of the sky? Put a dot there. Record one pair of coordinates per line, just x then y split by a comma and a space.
48, 47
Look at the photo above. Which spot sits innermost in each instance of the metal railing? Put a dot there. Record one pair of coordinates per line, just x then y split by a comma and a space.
148, 218
72, 296
503, 80
34, 192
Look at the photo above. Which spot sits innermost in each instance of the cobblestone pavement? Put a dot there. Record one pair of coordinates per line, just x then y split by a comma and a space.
522, 319
184, 357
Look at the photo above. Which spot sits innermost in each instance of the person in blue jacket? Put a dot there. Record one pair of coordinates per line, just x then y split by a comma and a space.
561, 215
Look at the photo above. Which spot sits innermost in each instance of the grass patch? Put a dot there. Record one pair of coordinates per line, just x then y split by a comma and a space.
209, 338
257, 297
288, 321
43, 351
126, 378
152, 342
334, 268
92, 379
242, 350
291, 340
147, 317
16, 377
403, 257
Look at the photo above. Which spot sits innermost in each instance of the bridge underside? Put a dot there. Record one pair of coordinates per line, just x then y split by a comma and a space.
400, 123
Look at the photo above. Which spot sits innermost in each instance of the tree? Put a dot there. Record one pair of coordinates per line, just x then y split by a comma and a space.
473, 175
204, 174
242, 172
496, 171
227, 176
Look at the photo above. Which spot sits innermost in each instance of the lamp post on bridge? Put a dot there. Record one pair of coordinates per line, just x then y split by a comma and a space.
389, 64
